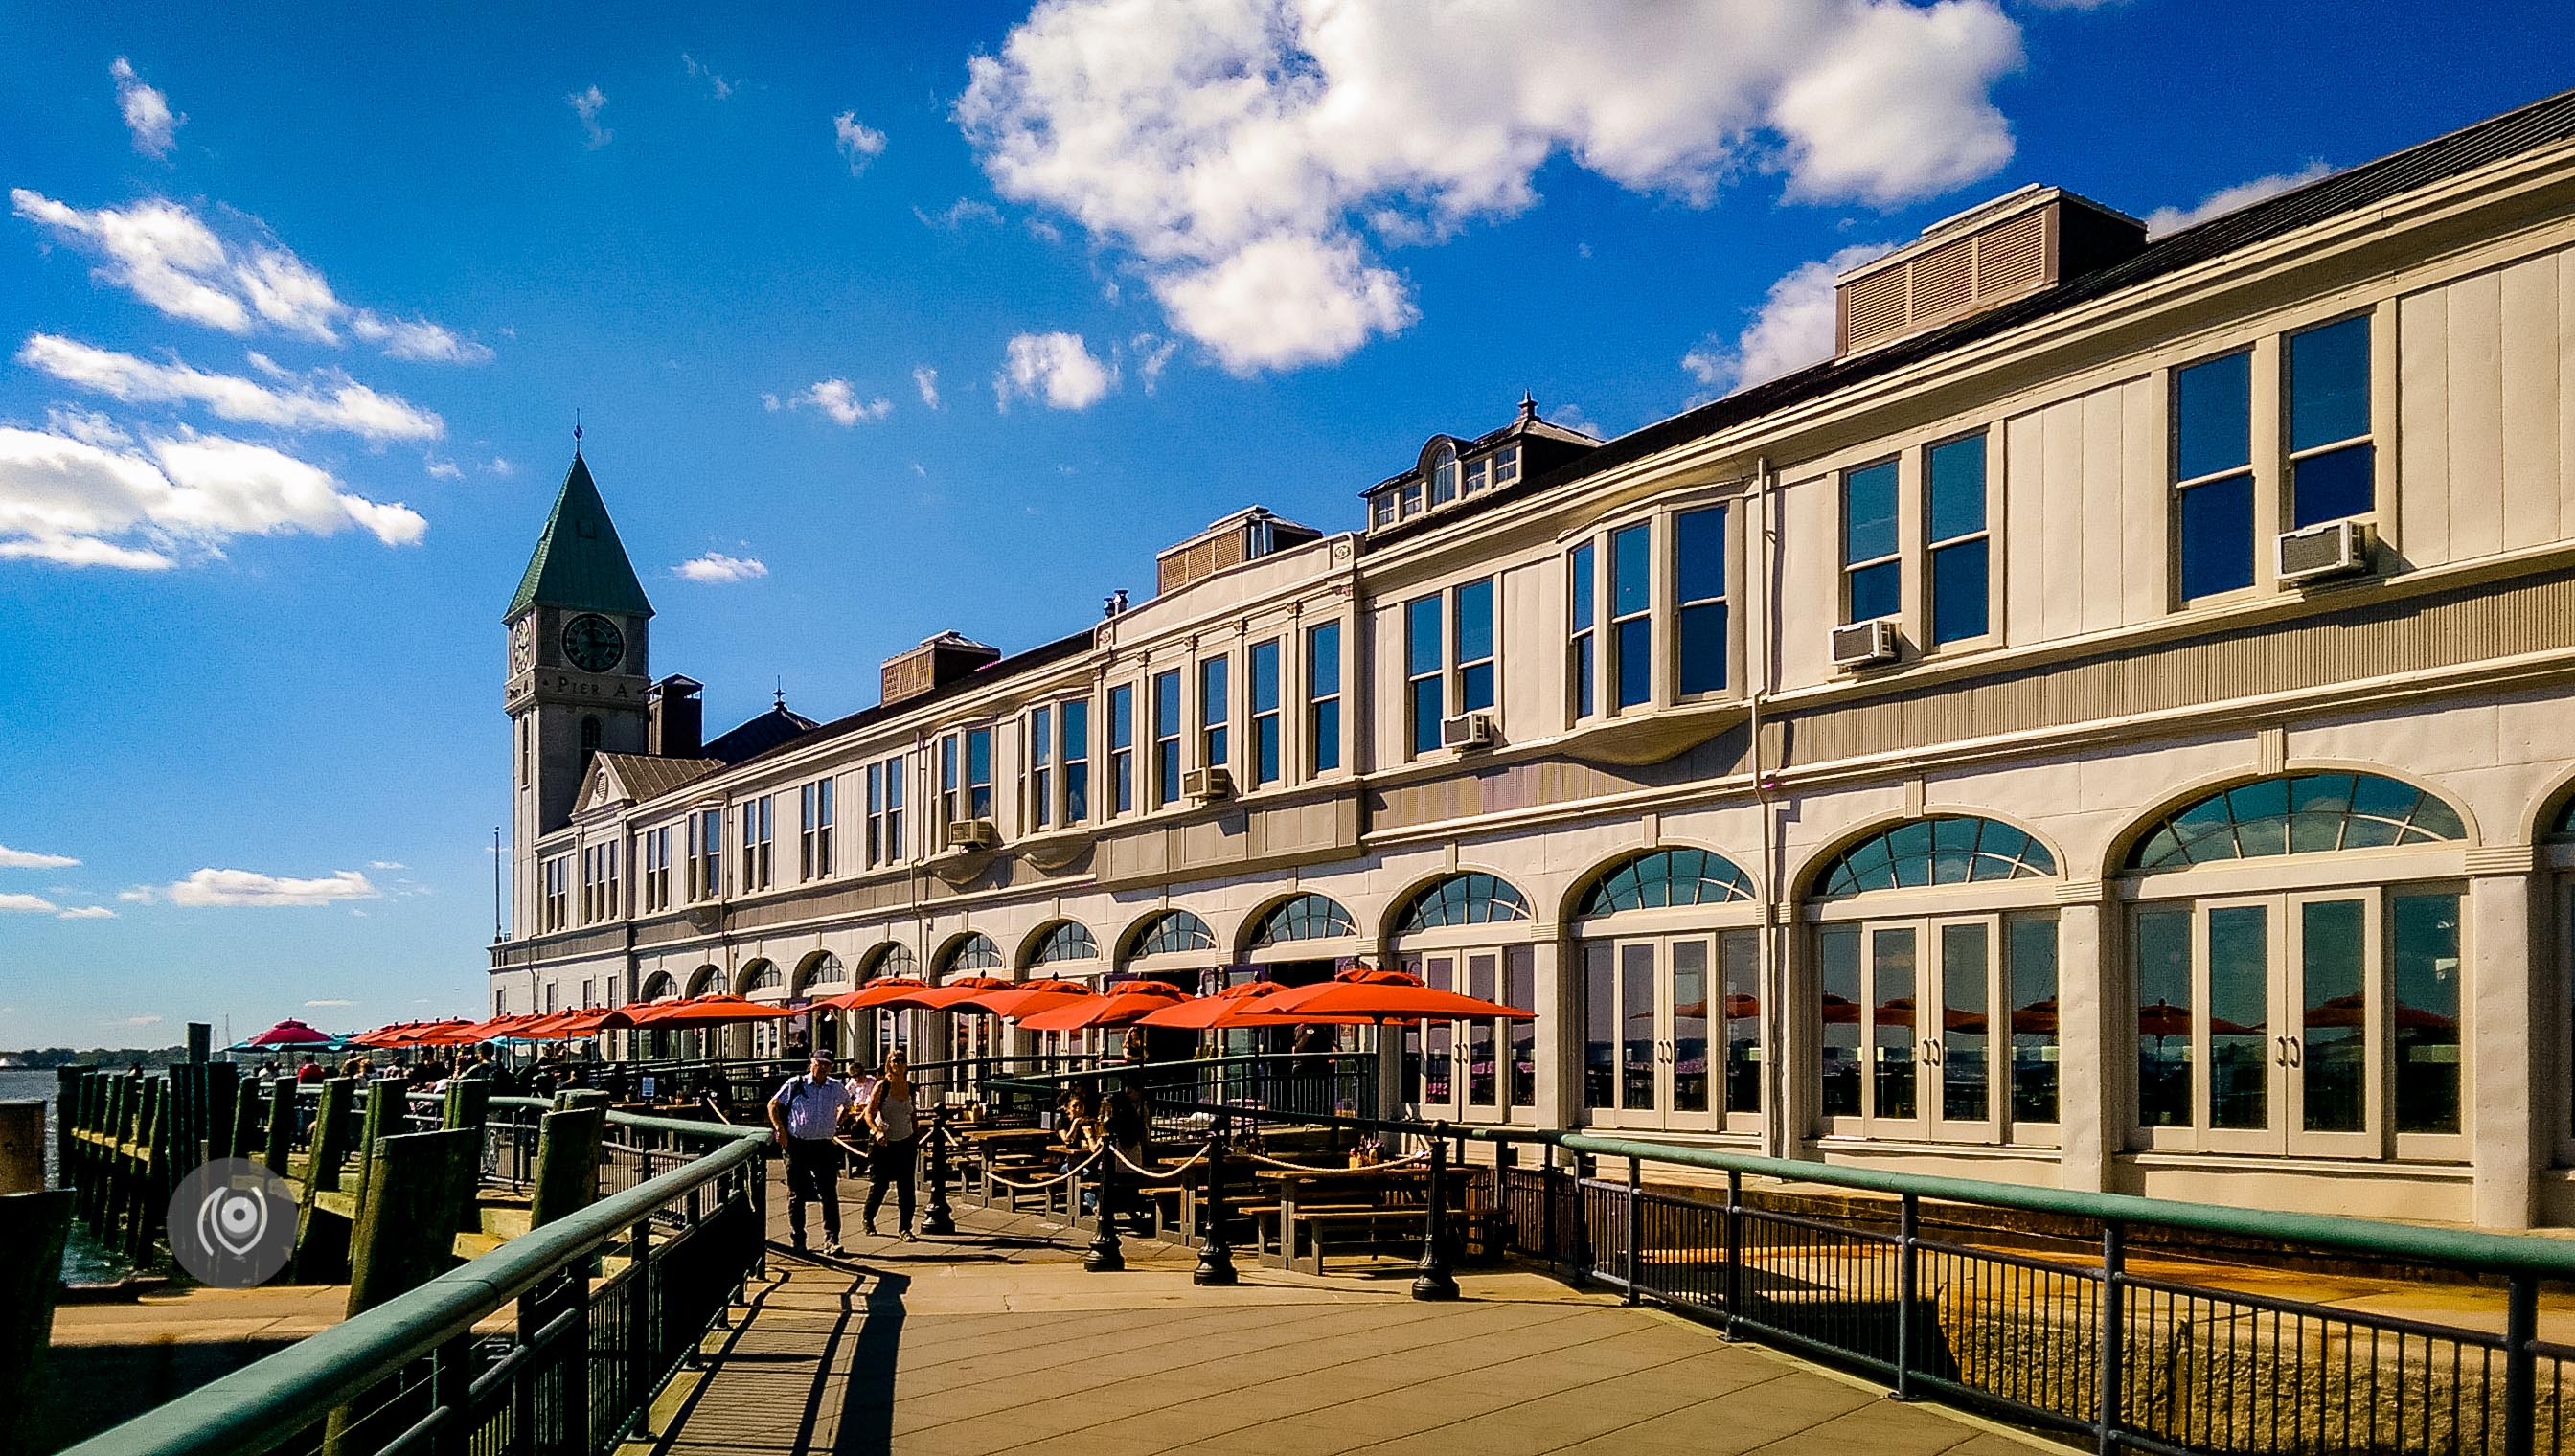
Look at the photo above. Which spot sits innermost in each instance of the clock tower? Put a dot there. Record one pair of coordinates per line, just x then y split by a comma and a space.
578, 670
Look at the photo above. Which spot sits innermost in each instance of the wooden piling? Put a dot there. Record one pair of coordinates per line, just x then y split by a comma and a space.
405, 1231
22, 1147
32, 1228
322, 1238
282, 1120
568, 1148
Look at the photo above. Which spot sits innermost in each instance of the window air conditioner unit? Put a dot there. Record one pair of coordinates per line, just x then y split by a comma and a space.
1207, 784
1864, 643
1466, 731
2314, 553
972, 834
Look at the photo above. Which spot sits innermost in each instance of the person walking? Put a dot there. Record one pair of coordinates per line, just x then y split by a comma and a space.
893, 1130
806, 1113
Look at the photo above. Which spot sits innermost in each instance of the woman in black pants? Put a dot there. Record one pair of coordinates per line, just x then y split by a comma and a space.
895, 1126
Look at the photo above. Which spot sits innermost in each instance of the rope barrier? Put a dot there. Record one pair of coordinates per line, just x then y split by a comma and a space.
1415, 1157
1077, 1170
1172, 1175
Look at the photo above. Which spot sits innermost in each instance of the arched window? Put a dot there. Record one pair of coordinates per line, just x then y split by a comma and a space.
1660, 879
1172, 932
1462, 899
2298, 813
589, 733
1306, 918
706, 979
1443, 476
1940, 850
821, 968
2563, 826
768, 978
1068, 941
661, 988
975, 952
893, 959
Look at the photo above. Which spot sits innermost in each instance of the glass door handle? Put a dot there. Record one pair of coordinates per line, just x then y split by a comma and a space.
2297, 1053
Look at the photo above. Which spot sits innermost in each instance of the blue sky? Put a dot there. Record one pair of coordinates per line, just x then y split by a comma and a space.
299, 309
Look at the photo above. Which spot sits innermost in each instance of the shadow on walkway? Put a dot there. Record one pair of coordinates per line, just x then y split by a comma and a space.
866, 1399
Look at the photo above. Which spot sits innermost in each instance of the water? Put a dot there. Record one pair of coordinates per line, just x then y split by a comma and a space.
85, 1261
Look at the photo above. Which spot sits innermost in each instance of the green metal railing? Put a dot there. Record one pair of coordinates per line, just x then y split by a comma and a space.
610, 1302
2047, 1323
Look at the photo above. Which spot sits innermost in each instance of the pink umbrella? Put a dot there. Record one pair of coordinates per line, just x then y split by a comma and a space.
290, 1032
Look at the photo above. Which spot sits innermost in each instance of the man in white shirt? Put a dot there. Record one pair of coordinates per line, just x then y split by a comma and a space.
806, 1114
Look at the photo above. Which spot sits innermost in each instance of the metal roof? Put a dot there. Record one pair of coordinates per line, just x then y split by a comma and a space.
579, 561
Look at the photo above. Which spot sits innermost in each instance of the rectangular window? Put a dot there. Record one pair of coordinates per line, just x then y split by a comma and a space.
1699, 574
895, 773
1323, 697
2332, 467
875, 814
705, 855
1507, 465
1266, 764
2030, 987
1479, 474
2423, 931
1216, 714
1583, 648
2163, 1017
1041, 801
1632, 616
1074, 718
1425, 664
1122, 749
1472, 618
952, 805
1382, 508
649, 872
757, 841
1167, 738
611, 901
1872, 573
1955, 482
557, 910
979, 774
814, 830
2213, 476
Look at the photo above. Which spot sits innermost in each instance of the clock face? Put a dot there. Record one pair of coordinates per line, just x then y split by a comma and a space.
593, 642
523, 645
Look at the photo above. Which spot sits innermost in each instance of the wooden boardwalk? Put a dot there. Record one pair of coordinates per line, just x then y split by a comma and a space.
999, 1341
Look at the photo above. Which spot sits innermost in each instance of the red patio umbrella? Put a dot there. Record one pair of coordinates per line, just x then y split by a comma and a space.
717, 1008
1213, 1013
290, 1032
580, 1021
1360, 996
874, 993
948, 995
1124, 1006
1025, 998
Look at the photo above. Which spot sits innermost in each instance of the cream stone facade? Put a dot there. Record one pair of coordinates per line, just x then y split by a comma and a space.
2135, 865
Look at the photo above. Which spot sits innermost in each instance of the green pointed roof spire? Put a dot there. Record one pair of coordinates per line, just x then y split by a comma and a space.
580, 563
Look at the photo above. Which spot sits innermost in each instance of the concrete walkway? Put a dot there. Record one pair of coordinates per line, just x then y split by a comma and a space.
999, 1341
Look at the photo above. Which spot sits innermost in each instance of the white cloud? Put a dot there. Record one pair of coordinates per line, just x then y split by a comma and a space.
133, 1021
1791, 329
87, 425
2164, 220
587, 105
86, 913
926, 380
386, 864
1153, 356
716, 86
1058, 368
1236, 148
331, 401
30, 859
326, 1002
958, 214
170, 257
139, 896
147, 111
442, 470
1287, 301
248, 887
717, 569
67, 501
27, 905
836, 399
860, 142
501, 467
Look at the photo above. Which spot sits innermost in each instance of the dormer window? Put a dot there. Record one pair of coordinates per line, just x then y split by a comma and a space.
1507, 465
1443, 476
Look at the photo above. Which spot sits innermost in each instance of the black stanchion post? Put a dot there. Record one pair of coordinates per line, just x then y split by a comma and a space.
1216, 1254
1908, 1229
935, 1216
1432, 1281
1734, 1250
2107, 1401
1105, 1257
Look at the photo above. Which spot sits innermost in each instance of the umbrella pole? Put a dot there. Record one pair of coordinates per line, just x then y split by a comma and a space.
1433, 1280
1105, 1257
1215, 1255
